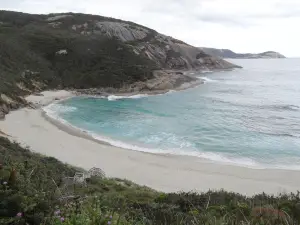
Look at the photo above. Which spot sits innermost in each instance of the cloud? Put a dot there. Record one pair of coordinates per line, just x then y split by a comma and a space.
242, 25
234, 12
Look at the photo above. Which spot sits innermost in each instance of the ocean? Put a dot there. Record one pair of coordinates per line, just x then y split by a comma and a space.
248, 117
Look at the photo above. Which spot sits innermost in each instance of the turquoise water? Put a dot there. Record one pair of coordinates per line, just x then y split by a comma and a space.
248, 117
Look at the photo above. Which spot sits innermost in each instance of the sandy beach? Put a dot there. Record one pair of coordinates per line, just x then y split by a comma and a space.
168, 173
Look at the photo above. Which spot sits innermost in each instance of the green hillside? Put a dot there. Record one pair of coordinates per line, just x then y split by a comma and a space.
33, 191
35, 56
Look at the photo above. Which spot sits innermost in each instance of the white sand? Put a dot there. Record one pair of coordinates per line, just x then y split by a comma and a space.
162, 172
48, 97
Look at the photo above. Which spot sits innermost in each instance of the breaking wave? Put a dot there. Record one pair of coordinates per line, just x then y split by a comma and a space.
116, 97
208, 80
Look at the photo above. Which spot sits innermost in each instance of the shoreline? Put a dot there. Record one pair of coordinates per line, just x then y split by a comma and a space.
165, 172
81, 133
99, 93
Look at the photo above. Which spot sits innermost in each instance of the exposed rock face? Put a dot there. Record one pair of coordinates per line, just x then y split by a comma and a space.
9, 104
4, 108
3, 111
162, 82
57, 17
123, 31
2, 115
165, 51
226, 53
62, 52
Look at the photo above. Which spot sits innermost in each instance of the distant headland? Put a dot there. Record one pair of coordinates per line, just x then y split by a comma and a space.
226, 53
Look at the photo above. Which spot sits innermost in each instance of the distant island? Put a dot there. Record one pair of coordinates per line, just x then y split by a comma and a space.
226, 53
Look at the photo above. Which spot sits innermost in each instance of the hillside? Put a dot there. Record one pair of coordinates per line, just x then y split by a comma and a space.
38, 190
78, 51
226, 53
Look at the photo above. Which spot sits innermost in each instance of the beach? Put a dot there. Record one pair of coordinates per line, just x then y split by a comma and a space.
168, 173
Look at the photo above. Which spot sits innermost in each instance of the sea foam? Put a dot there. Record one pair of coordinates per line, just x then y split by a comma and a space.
55, 110
137, 96
208, 80
116, 97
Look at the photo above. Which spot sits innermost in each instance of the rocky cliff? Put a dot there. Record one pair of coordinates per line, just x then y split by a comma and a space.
79, 51
165, 51
226, 53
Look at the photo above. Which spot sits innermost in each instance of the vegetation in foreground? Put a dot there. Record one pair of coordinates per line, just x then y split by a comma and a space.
33, 191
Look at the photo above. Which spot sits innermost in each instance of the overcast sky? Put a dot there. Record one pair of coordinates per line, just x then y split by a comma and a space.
239, 25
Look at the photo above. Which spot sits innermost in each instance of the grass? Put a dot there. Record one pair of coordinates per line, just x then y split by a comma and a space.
31, 192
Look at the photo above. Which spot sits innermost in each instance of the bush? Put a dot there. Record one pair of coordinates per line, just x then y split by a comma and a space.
31, 189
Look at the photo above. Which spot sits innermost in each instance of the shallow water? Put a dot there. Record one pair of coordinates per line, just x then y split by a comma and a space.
248, 117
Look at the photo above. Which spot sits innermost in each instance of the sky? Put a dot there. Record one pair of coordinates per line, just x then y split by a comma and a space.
244, 26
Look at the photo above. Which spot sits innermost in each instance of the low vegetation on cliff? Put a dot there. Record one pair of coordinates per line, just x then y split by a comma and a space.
35, 190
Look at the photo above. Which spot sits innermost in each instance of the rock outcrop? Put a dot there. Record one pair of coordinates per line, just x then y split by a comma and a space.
165, 51
2, 115
162, 82
7, 104
122, 31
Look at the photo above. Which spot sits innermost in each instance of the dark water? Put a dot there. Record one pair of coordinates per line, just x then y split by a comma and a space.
248, 117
